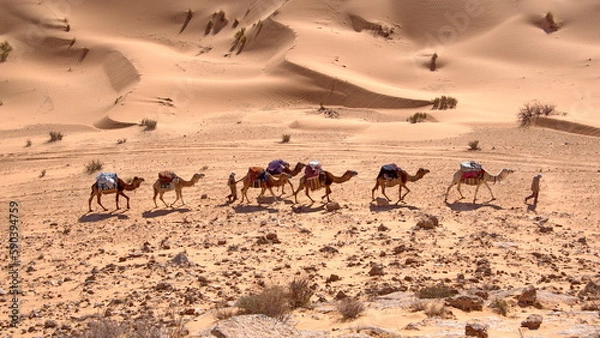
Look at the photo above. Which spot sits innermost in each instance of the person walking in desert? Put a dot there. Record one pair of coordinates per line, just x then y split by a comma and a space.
535, 189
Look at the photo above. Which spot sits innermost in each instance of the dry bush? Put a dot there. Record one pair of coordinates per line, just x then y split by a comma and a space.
500, 306
225, 313
121, 140
432, 62
148, 124
104, 329
435, 309
350, 308
436, 291
327, 112
5, 49
549, 24
531, 111
300, 293
285, 138
28, 143
42, 173
417, 117
444, 102
272, 302
55, 136
93, 166
474, 145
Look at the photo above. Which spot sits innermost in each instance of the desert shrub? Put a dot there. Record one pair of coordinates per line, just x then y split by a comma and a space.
272, 302
285, 138
5, 49
328, 112
350, 308
104, 329
435, 309
417, 117
300, 293
500, 306
474, 145
531, 111
432, 62
149, 124
436, 291
28, 143
444, 102
121, 140
55, 136
224, 313
549, 24
93, 166
43, 173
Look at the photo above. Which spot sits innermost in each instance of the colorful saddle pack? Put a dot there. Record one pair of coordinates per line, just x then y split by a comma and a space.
166, 178
471, 169
276, 167
389, 171
314, 175
106, 180
257, 175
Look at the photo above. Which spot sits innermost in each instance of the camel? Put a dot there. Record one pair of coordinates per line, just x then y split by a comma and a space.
286, 169
120, 187
176, 184
253, 180
401, 179
324, 179
478, 181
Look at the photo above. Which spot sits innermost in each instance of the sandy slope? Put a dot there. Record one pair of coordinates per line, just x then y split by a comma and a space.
93, 70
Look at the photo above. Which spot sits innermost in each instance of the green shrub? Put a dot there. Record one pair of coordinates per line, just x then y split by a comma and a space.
5, 49
55, 136
148, 124
272, 302
444, 102
436, 291
350, 308
93, 166
417, 117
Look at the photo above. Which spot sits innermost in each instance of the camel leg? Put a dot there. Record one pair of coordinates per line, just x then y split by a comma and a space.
244, 196
177, 192
296, 192
490, 189
383, 192
307, 194
448, 191
161, 198
406, 193
283, 187
476, 189
126, 198
327, 192
460, 192
90, 201
154, 198
373, 190
99, 201
272, 193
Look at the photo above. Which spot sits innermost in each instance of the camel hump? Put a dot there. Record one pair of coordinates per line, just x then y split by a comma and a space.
166, 176
257, 170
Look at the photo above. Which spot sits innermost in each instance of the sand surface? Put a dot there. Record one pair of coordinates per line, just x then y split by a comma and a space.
93, 70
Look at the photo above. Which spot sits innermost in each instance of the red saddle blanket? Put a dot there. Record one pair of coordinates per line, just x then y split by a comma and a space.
166, 176
256, 174
472, 174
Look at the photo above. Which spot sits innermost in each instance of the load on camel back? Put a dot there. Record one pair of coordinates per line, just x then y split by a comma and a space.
107, 181
257, 175
314, 175
167, 179
389, 171
471, 169
276, 167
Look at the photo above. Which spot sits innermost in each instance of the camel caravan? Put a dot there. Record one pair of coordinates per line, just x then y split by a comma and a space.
278, 173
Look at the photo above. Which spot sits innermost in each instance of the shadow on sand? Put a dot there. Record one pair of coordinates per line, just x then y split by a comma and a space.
163, 212
89, 217
248, 208
311, 207
379, 208
466, 206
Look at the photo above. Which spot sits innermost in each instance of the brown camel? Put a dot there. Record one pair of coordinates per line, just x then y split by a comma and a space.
120, 187
401, 178
259, 178
481, 179
324, 179
292, 172
176, 184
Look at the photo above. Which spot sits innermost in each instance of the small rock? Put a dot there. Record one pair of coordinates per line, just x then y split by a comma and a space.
532, 322
476, 330
382, 202
332, 206
376, 270
333, 278
163, 286
329, 249
50, 324
428, 222
382, 227
180, 259
528, 297
466, 303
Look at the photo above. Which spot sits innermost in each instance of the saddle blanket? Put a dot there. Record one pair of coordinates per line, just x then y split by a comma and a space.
276, 167
256, 176
167, 185
166, 177
106, 181
313, 169
313, 183
389, 171
471, 169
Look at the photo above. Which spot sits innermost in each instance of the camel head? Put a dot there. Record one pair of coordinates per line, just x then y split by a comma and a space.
284, 177
137, 181
350, 173
197, 176
422, 172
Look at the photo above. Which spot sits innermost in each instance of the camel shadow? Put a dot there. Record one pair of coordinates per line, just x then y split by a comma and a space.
248, 208
89, 217
379, 208
163, 212
455, 206
306, 208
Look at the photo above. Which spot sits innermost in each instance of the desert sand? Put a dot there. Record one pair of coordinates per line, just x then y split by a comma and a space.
93, 70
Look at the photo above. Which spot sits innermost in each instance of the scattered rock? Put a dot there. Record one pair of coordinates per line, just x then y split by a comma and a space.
532, 322
329, 249
255, 326
528, 297
50, 324
376, 270
382, 202
164, 286
333, 278
428, 222
180, 259
332, 206
476, 330
591, 291
466, 303
382, 227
